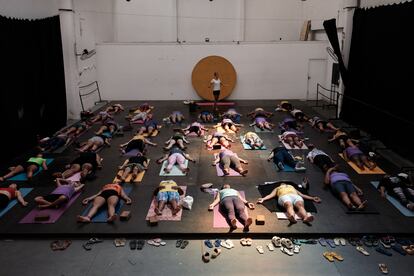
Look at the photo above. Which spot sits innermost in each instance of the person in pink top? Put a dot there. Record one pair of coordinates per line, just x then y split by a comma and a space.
228, 158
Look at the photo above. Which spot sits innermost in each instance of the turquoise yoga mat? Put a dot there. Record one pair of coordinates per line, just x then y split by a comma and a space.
22, 176
395, 202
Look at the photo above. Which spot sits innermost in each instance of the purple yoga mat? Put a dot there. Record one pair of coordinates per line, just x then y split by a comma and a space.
220, 222
54, 214
221, 173
76, 177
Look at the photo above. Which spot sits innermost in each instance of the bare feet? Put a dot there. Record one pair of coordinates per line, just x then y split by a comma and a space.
309, 218
361, 206
233, 223
175, 211
111, 218
83, 219
243, 172
249, 222
292, 219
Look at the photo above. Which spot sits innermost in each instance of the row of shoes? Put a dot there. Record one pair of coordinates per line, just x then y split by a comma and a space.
216, 249
286, 245
332, 242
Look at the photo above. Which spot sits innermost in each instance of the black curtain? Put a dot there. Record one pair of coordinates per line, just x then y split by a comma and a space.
332, 33
33, 96
381, 75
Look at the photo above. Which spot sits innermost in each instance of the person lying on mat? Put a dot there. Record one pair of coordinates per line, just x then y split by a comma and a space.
196, 128
320, 158
262, 123
176, 117
55, 142
206, 116
399, 187
290, 124
64, 191
145, 107
299, 115
356, 156
176, 156
343, 139
101, 116
8, 194
138, 142
292, 139
290, 198
108, 125
31, 166
218, 138
178, 139
150, 125
96, 142
342, 186
115, 108
137, 116
232, 114
168, 192
86, 163
282, 157
322, 125
232, 204
109, 195
284, 106
132, 166
228, 125
259, 112
253, 140
75, 129
227, 159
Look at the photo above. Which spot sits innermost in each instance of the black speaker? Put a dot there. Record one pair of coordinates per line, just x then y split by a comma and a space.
335, 73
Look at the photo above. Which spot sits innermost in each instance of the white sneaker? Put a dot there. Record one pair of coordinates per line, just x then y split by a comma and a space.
296, 249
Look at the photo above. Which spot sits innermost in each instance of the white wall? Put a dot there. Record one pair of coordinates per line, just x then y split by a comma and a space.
163, 72
29, 8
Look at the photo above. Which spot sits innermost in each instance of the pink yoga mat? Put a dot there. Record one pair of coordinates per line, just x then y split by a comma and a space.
221, 173
220, 222
54, 214
166, 213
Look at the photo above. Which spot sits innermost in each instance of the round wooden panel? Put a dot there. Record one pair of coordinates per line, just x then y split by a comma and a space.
203, 74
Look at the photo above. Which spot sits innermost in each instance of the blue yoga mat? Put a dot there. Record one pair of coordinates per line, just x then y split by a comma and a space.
102, 214
395, 202
24, 192
22, 176
247, 147
286, 168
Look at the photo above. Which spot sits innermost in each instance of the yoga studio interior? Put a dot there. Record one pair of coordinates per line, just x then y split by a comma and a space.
206, 137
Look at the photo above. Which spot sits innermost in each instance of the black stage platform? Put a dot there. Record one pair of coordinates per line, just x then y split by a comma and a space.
331, 218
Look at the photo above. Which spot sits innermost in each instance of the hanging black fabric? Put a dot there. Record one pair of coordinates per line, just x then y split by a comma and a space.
33, 96
380, 75
332, 33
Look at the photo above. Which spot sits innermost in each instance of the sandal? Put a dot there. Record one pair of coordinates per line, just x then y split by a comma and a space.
178, 243
216, 252
328, 256
270, 247
342, 241
409, 249
153, 242
337, 256
230, 243
362, 250
383, 268
287, 251
259, 249
140, 244
322, 242
296, 249
184, 244
208, 244
206, 257
331, 243
225, 244
133, 244
217, 243
160, 241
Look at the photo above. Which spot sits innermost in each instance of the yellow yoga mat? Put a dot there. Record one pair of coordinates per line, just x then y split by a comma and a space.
139, 177
376, 170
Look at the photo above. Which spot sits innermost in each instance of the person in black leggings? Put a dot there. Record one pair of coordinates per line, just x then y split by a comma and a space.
400, 188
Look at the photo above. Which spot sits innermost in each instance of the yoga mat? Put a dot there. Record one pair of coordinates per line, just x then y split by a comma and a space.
287, 146
24, 192
22, 176
76, 177
220, 172
247, 147
283, 216
131, 153
175, 169
376, 170
403, 210
256, 129
139, 177
286, 168
54, 214
271, 204
102, 214
138, 122
219, 221
166, 213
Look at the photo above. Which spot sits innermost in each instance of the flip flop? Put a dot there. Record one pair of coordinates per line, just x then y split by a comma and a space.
133, 244
230, 243
337, 256
216, 252
322, 242
140, 244
342, 241
178, 243
160, 241
153, 243
287, 251
259, 249
362, 250
330, 243
328, 256
296, 249
408, 249
225, 244
208, 244
217, 243
383, 251
383, 268
270, 247
337, 242
184, 244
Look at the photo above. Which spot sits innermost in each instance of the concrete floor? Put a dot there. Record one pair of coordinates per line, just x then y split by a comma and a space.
29, 257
